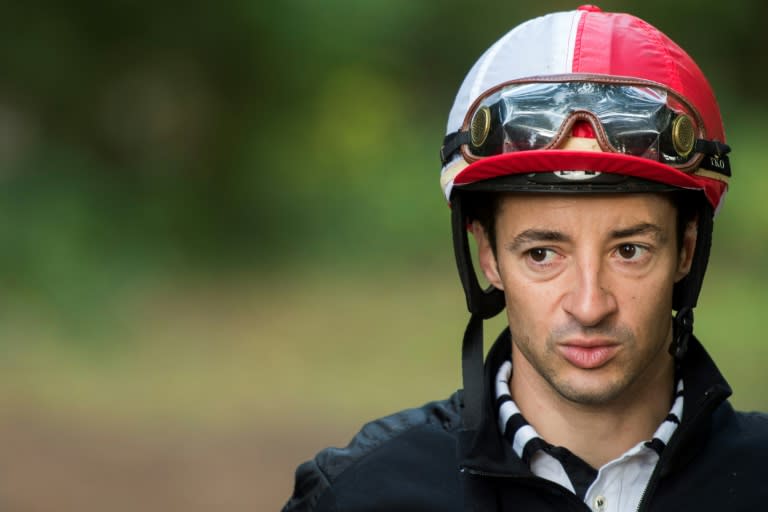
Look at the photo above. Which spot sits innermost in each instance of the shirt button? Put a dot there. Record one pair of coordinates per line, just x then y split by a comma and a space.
599, 503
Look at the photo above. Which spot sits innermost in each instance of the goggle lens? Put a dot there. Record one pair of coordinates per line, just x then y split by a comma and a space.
638, 120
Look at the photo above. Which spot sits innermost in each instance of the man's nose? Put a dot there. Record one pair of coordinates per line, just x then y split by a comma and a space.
590, 300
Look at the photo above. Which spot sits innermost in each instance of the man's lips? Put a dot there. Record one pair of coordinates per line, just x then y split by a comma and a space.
588, 354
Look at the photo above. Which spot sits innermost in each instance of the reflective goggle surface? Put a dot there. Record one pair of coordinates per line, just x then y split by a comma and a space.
635, 119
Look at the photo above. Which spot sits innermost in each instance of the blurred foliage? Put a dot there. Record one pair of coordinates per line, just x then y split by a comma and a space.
140, 139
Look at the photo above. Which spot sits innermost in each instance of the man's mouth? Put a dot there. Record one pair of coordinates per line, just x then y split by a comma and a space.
588, 354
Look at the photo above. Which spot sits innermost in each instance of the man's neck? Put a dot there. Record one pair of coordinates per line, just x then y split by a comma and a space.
595, 433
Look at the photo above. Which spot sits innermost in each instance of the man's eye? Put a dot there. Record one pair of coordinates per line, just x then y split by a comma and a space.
630, 251
540, 255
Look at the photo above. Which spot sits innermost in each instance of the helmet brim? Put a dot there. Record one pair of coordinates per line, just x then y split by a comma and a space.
515, 171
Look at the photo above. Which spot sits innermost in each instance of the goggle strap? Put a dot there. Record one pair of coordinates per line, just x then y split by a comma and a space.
715, 152
715, 156
711, 147
451, 143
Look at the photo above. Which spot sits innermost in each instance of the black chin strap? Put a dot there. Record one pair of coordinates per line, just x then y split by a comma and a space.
482, 304
472, 372
686, 292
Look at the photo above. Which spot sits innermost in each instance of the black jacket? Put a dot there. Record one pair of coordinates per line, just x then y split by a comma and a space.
422, 460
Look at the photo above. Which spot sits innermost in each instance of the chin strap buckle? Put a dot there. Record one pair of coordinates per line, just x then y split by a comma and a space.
682, 329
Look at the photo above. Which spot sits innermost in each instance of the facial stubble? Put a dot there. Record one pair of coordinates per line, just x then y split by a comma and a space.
614, 389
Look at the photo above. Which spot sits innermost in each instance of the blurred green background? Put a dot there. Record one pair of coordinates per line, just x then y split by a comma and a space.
224, 244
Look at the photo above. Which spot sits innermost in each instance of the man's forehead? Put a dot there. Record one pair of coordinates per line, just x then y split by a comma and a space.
600, 198
573, 208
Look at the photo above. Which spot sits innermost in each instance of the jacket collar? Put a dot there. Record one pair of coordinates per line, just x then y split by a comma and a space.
484, 450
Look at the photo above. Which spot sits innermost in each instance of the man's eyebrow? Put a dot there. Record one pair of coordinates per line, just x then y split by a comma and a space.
644, 228
537, 235
547, 235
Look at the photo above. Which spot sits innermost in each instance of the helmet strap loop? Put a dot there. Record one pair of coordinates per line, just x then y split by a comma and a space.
682, 329
484, 302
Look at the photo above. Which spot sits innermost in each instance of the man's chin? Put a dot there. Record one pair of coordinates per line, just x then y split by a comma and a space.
590, 393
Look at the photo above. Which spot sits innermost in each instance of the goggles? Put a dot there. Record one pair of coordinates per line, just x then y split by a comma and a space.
632, 117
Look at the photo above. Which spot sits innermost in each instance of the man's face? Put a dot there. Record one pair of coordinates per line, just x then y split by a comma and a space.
588, 284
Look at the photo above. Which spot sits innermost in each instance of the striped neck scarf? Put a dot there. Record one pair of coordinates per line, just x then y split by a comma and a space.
526, 441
